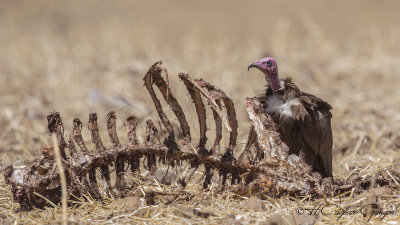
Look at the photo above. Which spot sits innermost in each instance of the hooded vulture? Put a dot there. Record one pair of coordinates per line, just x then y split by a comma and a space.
304, 120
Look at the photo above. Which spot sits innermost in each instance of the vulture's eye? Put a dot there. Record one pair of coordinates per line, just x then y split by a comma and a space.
269, 63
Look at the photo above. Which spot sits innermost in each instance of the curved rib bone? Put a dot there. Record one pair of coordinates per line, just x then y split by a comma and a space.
154, 76
104, 170
215, 93
200, 109
112, 128
77, 134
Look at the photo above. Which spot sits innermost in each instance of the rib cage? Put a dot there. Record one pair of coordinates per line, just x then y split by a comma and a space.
267, 171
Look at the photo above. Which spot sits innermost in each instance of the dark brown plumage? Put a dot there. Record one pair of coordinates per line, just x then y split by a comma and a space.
306, 129
304, 120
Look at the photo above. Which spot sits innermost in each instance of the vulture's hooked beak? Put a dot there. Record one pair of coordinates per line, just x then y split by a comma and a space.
251, 65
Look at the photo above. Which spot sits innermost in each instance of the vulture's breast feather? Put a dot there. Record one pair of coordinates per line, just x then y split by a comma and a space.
288, 108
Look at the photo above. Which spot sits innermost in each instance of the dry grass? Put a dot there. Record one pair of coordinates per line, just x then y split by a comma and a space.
81, 57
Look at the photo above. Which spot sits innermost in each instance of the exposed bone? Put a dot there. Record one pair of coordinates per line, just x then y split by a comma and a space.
215, 93
154, 76
55, 125
267, 136
91, 186
119, 162
112, 128
77, 134
200, 109
91, 183
94, 131
251, 140
130, 124
218, 130
149, 85
151, 135
104, 170
215, 96
196, 91
71, 147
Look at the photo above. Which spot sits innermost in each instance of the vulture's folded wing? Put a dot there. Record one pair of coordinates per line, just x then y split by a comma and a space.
317, 132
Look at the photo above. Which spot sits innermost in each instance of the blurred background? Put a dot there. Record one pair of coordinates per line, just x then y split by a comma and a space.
77, 57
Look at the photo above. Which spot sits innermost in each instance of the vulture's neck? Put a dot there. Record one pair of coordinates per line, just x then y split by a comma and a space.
286, 89
274, 82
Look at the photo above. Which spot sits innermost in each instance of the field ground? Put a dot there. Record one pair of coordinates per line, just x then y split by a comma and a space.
78, 57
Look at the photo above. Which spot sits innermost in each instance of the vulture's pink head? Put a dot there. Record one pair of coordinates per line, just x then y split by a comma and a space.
269, 67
